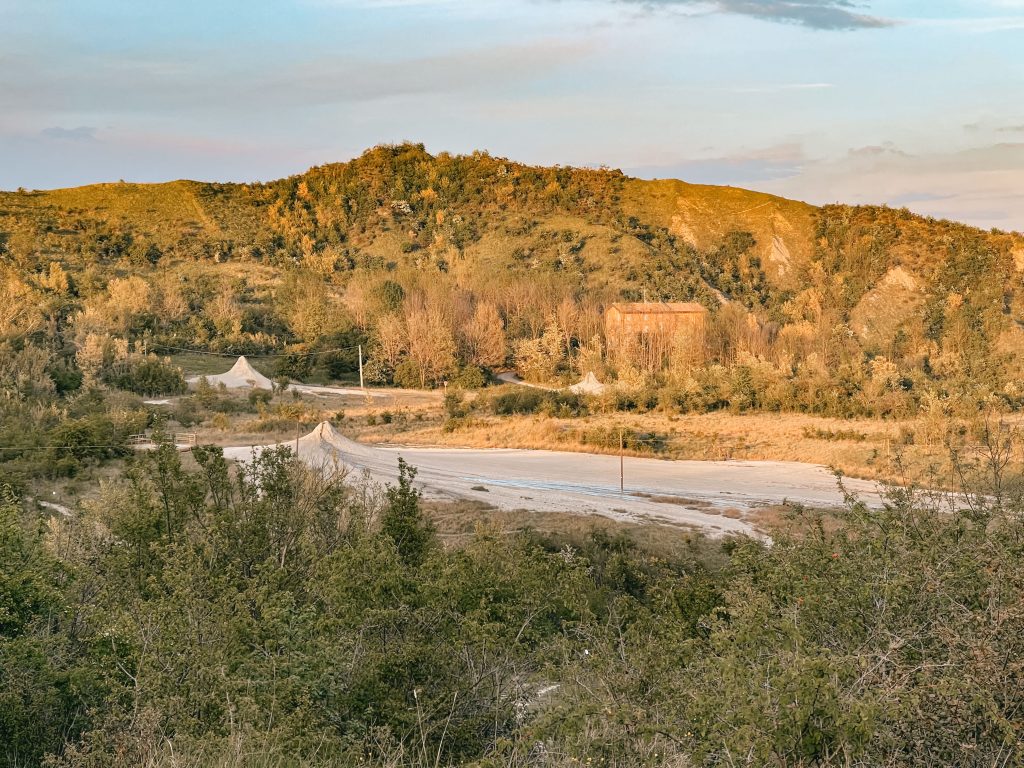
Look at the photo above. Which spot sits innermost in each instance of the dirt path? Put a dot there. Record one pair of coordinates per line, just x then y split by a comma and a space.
510, 377
716, 496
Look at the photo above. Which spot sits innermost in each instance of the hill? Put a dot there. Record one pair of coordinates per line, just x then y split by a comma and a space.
400, 243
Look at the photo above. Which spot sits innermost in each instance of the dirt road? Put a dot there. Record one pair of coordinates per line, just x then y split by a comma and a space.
716, 496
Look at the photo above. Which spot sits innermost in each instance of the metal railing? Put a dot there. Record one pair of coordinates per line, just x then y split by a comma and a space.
175, 438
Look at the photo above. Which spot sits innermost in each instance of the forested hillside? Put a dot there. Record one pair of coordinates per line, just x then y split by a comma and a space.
451, 266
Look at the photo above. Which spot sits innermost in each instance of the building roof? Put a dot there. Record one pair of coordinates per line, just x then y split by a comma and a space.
659, 307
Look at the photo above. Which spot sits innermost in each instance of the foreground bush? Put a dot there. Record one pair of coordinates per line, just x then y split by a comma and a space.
275, 617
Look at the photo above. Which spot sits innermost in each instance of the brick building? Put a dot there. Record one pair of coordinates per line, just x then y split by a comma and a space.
655, 326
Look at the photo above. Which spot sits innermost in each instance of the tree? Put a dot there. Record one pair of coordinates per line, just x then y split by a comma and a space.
485, 337
403, 521
390, 340
431, 345
39, 707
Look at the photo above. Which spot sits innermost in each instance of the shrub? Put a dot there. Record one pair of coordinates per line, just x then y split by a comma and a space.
470, 377
90, 438
66, 378
376, 372
407, 375
258, 397
454, 405
565, 404
518, 400
293, 367
147, 375
816, 433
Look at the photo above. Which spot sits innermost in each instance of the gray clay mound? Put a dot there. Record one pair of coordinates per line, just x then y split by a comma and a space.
588, 385
241, 376
326, 446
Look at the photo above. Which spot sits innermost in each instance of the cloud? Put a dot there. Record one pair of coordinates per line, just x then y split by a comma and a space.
815, 14
159, 85
739, 169
781, 87
82, 133
980, 185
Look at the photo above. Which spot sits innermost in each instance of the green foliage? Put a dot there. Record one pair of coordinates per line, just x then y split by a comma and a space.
516, 400
469, 377
408, 375
43, 693
523, 400
260, 397
146, 375
403, 521
280, 610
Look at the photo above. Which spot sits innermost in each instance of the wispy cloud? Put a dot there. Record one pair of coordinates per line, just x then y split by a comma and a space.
82, 133
815, 14
737, 169
144, 85
980, 185
781, 87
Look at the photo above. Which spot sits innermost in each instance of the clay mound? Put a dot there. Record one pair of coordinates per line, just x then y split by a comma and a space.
330, 437
588, 385
326, 446
241, 376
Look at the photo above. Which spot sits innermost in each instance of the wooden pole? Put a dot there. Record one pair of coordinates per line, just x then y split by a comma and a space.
622, 475
297, 429
360, 367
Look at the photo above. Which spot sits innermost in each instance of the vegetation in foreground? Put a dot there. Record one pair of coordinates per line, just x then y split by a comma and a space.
272, 617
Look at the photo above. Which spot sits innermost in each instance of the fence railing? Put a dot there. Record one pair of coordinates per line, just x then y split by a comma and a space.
175, 438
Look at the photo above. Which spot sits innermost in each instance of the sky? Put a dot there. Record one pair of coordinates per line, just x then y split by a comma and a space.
912, 103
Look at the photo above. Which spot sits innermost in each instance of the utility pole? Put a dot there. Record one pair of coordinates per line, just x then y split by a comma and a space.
622, 474
297, 429
360, 367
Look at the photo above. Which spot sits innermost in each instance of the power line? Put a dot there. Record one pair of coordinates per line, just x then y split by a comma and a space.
257, 356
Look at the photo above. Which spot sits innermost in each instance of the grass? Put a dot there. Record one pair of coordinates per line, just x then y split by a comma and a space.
459, 521
861, 448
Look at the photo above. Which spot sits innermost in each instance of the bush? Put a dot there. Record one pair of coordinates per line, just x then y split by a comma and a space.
66, 378
89, 438
147, 375
565, 404
408, 375
470, 377
454, 405
517, 400
376, 372
258, 397
293, 367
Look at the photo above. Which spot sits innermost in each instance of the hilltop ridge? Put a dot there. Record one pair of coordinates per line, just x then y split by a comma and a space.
249, 268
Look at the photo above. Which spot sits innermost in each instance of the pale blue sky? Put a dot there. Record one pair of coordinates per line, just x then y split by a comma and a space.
898, 101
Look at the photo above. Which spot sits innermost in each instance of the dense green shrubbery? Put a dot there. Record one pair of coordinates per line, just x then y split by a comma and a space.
522, 400
46, 431
469, 377
516, 400
200, 615
146, 375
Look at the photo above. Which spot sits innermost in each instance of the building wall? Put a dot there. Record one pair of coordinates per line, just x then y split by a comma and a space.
652, 340
622, 327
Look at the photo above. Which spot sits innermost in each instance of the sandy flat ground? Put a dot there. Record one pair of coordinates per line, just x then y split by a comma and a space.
715, 496
321, 391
